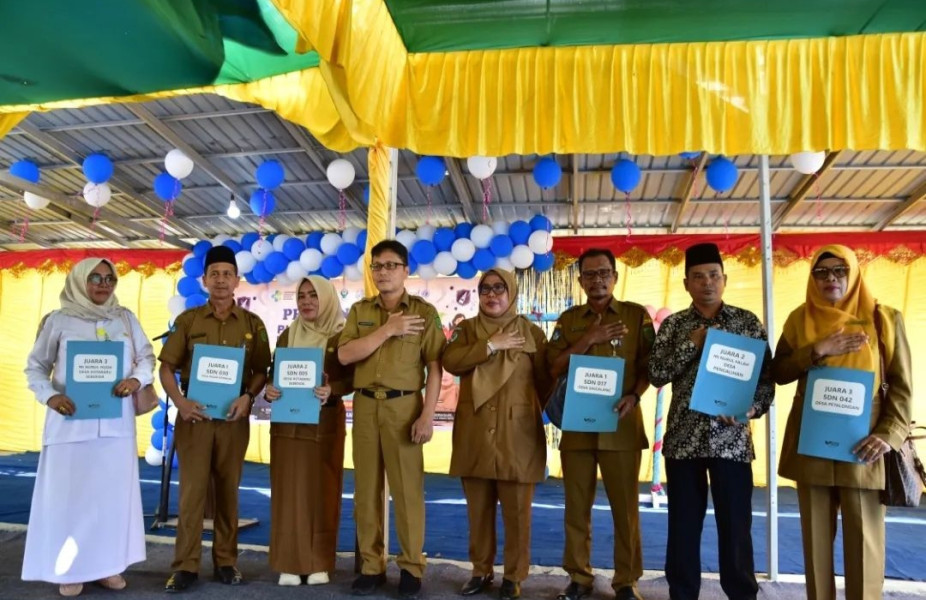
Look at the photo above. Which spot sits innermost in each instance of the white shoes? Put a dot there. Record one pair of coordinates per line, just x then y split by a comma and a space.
318, 578
289, 579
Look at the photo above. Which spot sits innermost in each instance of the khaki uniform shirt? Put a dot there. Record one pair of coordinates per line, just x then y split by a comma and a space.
399, 363
201, 326
635, 349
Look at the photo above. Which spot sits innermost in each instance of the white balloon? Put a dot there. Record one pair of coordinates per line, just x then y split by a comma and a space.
481, 166
549, 242
178, 164
295, 271
407, 238
311, 259
538, 241
261, 249
353, 273
340, 174
500, 227
522, 257
504, 263
808, 163
445, 263
482, 236
426, 232
463, 249
172, 415
153, 456
350, 234
278, 242
97, 194
220, 239
34, 201
330, 243
426, 272
176, 305
245, 261
283, 280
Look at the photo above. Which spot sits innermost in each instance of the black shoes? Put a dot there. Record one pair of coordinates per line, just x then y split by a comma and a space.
510, 590
365, 585
477, 584
627, 593
228, 575
179, 581
574, 591
409, 585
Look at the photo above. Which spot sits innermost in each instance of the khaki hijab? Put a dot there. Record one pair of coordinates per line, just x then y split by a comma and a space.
492, 375
330, 320
77, 303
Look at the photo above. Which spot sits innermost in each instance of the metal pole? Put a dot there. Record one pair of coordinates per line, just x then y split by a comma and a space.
771, 467
390, 234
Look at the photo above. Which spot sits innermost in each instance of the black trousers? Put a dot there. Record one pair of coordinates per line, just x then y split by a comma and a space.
731, 490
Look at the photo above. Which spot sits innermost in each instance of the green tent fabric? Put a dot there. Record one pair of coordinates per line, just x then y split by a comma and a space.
62, 49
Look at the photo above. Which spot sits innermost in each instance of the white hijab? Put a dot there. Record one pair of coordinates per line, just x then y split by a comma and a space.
76, 302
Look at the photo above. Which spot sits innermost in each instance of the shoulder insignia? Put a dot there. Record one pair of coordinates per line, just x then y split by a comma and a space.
263, 334
455, 335
557, 333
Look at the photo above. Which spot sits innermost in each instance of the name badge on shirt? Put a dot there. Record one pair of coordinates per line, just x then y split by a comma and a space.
366, 323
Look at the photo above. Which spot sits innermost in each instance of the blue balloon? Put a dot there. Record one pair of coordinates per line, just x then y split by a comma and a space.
248, 239
366, 194
519, 232
276, 262
176, 462
543, 262
98, 168
540, 223
483, 260
189, 286
261, 274
249, 277
157, 418
721, 174
362, 240
233, 244
412, 265
194, 301
293, 248
157, 439
625, 175
332, 267
25, 169
689, 155
444, 239
193, 267
314, 240
462, 230
431, 169
348, 254
466, 270
501, 246
201, 247
272, 237
547, 172
270, 174
262, 203
424, 252
166, 187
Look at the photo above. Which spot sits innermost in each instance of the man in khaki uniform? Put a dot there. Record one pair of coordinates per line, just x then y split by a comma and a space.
390, 339
211, 449
604, 327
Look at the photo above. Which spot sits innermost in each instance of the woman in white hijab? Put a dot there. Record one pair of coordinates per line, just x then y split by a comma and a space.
307, 461
86, 519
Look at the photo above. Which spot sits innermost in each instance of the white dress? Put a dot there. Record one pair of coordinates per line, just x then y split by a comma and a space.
86, 518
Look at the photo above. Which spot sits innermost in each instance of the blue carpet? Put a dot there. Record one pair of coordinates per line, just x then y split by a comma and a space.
446, 526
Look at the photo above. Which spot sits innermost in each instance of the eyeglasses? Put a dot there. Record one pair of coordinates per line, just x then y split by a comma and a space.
496, 288
97, 279
604, 274
389, 266
823, 273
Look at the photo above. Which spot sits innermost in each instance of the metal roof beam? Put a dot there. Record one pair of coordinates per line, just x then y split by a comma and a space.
803, 188
918, 194
28, 236
462, 191
686, 188
574, 190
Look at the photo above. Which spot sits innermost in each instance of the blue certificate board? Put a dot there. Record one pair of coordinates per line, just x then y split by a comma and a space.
837, 412
728, 374
215, 378
94, 369
594, 385
296, 373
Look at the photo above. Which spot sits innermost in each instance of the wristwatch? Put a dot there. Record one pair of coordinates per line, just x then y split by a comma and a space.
491, 347
250, 396
636, 397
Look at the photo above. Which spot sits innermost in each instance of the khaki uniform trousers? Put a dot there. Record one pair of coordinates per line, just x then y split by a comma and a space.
619, 473
382, 438
482, 497
862, 540
209, 450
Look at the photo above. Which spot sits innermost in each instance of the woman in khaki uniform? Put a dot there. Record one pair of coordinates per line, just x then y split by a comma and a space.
499, 449
837, 327
307, 461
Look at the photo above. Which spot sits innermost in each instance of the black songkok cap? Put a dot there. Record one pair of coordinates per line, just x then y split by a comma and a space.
702, 254
220, 254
